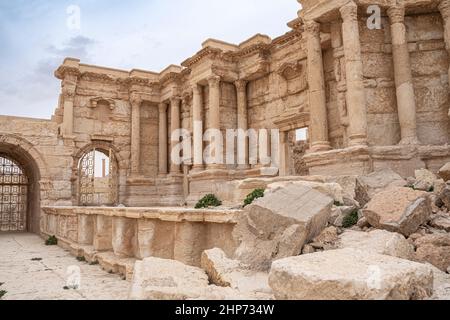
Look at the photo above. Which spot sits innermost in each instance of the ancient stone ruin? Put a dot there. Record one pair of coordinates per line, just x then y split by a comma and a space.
364, 195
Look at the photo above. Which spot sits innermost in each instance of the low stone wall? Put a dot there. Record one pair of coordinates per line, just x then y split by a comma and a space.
171, 233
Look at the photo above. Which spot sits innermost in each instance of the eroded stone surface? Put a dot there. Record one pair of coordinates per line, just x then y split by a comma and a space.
400, 210
349, 274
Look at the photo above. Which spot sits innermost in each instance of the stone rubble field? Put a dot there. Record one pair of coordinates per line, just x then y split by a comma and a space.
377, 236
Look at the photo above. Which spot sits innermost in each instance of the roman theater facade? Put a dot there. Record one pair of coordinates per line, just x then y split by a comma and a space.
370, 98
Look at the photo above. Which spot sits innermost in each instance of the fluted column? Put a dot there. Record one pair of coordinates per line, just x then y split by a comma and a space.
175, 124
197, 127
316, 81
356, 99
163, 139
242, 118
135, 135
214, 111
406, 101
444, 8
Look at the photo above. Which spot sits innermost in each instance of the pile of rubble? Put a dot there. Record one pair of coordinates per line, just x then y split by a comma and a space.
377, 236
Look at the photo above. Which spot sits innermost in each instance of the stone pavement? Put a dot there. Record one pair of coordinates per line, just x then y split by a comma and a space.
29, 270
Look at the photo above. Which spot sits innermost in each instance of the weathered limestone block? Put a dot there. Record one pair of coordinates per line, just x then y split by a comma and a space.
349, 274
278, 225
123, 236
444, 197
441, 221
444, 172
145, 238
225, 272
160, 279
424, 180
85, 229
400, 210
369, 185
378, 242
102, 233
189, 242
435, 249
333, 190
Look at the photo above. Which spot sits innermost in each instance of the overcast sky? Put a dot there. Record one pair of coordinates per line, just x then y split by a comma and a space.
35, 37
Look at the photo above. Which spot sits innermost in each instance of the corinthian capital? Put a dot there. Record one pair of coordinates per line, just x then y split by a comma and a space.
349, 12
241, 85
135, 99
68, 92
214, 81
312, 27
162, 107
444, 8
396, 14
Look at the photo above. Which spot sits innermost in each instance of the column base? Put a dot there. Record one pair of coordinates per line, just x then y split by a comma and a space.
320, 146
409, 141
357, 140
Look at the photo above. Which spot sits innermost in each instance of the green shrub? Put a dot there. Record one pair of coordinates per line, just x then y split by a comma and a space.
351, 219
81, 259
2, 293
51, 241
207, 201
255, 194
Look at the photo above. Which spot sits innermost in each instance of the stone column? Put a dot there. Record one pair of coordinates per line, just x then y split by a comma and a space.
356, 98
444, 8
214, 111
316, 80
242, 117
175, 124
197, 127
135, 135
406, 102
67, 125
163, 139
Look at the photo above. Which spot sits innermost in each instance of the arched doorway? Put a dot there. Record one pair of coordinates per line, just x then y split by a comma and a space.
98, 178
14, 189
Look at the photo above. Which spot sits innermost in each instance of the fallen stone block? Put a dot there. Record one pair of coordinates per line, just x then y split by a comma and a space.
435, 249
441, 221
424, 180
279, 225
369, 185
377, 242
160, 279
400, 210
444, 172
349, 274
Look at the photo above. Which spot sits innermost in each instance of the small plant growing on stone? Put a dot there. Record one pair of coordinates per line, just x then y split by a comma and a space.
51, 241
81, 259
207, 201
255, 194
2, 293
350, 220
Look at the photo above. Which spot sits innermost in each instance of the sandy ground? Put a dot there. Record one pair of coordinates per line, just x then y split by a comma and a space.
29, 270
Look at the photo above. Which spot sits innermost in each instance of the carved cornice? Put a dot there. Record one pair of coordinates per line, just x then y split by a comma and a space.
349, 12
286, 38
64, 71
101, 77
206, 52
169, 77
396, 14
